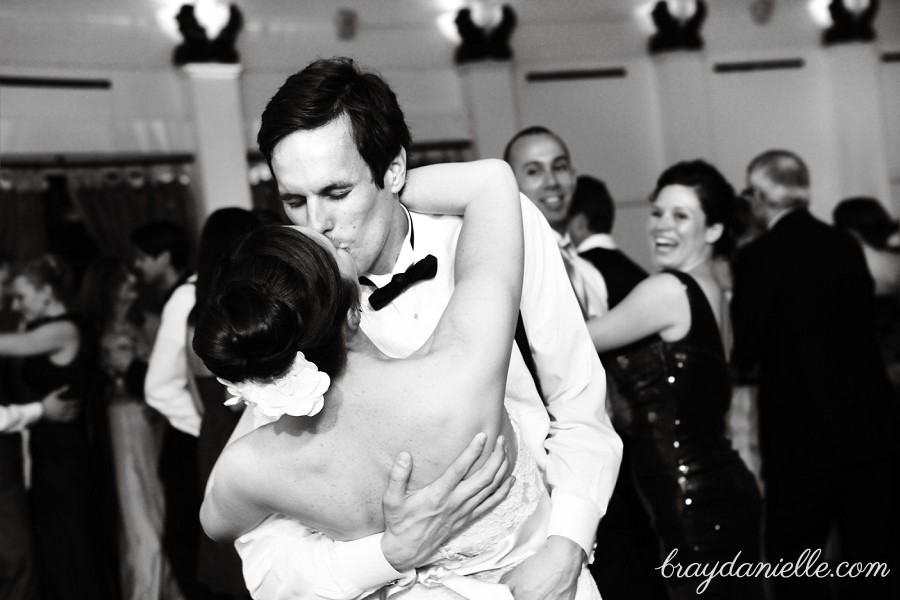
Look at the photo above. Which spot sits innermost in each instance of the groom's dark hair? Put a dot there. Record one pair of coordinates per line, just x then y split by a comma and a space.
331, 88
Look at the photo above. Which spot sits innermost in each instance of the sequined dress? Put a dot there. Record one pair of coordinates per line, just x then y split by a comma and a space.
702, 499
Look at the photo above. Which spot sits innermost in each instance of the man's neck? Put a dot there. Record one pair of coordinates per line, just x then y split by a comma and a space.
397, 234
559, 228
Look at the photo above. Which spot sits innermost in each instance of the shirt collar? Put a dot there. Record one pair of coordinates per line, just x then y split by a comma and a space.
597, 240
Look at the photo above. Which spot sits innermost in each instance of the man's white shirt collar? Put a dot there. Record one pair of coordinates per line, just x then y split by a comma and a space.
597, 240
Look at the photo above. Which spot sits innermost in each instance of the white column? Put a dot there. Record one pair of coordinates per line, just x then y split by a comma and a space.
220, 141
859, 120
490, 97
685, 109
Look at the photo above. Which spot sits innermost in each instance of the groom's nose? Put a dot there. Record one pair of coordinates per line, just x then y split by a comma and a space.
319, 216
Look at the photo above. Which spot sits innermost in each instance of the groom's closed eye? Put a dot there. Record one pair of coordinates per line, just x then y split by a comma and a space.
336, 192
293, 200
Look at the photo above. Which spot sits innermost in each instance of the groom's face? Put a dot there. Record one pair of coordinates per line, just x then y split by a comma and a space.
326, 185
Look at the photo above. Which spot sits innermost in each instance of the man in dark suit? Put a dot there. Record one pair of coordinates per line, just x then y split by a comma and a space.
802, 313
591, 217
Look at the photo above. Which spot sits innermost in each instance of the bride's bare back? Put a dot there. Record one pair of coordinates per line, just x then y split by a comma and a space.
330, 472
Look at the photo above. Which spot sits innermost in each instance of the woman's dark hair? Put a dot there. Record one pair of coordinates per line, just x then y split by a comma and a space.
330, 88
99, 291
715, 194
49, 270
867, 218
163, 236
222, 229
276, 293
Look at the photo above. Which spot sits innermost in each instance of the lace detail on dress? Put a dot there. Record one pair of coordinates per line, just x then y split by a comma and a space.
509, 515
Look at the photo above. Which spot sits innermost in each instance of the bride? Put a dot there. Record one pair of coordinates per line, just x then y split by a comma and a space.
281, 330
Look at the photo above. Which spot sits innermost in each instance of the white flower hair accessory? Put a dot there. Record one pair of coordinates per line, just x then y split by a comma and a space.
300, 392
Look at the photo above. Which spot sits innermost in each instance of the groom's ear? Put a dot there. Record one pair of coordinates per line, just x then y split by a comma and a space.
395, 176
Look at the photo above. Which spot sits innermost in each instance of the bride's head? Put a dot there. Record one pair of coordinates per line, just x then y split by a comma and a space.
279, 291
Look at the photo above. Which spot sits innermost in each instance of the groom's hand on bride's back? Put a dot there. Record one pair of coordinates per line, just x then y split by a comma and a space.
418, 523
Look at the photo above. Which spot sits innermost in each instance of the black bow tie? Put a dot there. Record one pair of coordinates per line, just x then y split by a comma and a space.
418, 271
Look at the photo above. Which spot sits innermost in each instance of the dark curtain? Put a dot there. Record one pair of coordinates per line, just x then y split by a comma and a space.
22, 232
114, 202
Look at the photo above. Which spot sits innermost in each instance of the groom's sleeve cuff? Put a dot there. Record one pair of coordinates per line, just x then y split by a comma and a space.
370, 569
575, 519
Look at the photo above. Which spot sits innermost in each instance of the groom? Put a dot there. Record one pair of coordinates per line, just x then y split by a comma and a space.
336, 140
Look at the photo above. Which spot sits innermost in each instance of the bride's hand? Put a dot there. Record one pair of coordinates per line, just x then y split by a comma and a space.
418, 523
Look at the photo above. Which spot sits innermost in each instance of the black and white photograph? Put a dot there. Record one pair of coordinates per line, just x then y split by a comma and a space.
449, 299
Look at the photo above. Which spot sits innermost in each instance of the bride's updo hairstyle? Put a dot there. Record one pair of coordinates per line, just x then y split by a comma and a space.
276, 293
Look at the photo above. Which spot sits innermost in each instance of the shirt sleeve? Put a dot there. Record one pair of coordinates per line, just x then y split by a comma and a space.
18, 417
166, 384
283, 560
583, 450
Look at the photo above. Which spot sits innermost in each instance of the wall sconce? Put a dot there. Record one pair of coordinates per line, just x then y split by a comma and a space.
197, 46
484, 28
845, 20
678, 24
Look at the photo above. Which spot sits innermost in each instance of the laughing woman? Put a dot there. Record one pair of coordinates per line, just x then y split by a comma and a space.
668, 361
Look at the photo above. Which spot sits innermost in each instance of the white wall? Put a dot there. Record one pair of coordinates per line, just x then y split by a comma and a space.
624, 131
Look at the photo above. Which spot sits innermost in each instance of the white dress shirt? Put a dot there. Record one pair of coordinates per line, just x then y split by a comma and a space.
587, 282
19, 417
572, 438
166, 386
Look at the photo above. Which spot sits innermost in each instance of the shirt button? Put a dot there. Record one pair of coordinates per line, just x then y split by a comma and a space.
688, 501
416, 316
671, 379
678, 421
676, 444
